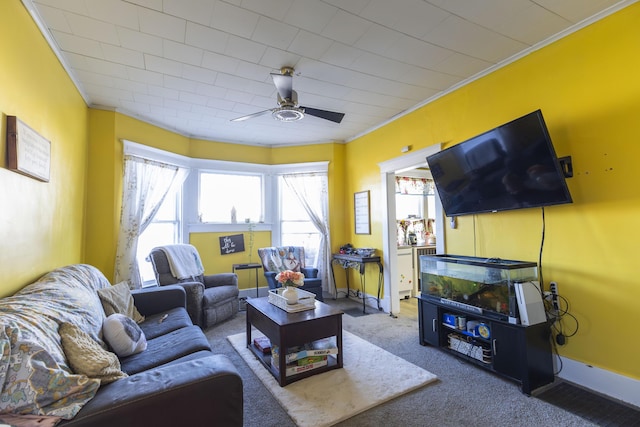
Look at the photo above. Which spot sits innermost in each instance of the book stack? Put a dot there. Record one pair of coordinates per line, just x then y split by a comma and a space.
263, 344
305, 358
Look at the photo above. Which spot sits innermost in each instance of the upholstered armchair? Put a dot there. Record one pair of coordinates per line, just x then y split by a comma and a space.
277, 259
210, 298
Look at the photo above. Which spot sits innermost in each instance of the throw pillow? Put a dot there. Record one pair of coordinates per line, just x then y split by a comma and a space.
123, 335
118, 299
86, 357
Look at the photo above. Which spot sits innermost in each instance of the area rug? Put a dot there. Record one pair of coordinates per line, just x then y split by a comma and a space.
370, 376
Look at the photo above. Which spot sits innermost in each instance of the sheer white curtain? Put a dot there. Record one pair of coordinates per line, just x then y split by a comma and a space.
146, 184
300, 185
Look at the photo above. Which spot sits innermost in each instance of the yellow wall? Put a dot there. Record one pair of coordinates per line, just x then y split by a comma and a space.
41, 224
588, 88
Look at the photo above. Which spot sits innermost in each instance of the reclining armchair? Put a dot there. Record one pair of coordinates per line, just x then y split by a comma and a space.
210, 298
277, 259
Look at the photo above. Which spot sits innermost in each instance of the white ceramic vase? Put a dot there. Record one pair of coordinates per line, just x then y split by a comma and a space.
290, 294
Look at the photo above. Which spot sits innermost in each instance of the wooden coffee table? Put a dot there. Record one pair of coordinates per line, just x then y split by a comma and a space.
293, 329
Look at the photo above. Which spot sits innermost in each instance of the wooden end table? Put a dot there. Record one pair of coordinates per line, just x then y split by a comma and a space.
288, 330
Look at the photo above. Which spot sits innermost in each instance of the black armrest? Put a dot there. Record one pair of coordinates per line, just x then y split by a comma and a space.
196, 392
158, 299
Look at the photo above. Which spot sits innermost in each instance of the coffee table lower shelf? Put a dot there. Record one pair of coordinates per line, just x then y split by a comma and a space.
265, 359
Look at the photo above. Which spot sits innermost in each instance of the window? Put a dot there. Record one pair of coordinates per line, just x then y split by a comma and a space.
223, 193
163, 230
296, 228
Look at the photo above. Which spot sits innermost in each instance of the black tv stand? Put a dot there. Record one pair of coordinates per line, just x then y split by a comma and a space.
520, 353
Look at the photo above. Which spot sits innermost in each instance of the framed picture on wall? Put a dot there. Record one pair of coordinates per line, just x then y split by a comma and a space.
361, 212
28, 152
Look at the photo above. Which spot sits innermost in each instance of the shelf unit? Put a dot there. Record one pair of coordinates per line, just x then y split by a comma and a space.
520, 353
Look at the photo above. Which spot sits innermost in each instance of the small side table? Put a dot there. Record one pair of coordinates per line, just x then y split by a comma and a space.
249, 266
356, 261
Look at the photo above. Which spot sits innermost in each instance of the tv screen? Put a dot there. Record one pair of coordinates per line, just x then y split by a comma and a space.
513, 166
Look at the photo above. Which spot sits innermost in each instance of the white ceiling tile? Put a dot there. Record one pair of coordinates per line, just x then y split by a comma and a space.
218, 62
163, 65
275, 9
576, 10
532, 25
78, 45
148, 99
199, 74
310, 45
461, 65
200, 11
244, 49
180, 84
55, 18
181, 52
416, 52
354, 6
144, 43
146, 76
341, 55
274, 33
234, 20
310, 15
377, 39
119, 13
277, 58
122, 56
466, 37
206, 38
149, 4
346, 28
164, 92
165, 26
106, 68
92, 29
101, 92
74, 6
193, 98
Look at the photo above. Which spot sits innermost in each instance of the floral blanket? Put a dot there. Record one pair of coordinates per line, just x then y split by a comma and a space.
282, 258
34, 374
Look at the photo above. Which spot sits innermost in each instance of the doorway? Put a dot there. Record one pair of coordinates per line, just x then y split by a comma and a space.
388, 170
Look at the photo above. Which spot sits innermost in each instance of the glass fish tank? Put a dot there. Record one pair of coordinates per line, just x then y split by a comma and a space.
478, 285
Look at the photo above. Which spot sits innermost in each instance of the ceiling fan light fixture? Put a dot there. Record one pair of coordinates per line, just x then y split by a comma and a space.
288, 114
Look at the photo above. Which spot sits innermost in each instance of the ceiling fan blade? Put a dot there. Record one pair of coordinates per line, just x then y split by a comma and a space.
284, 84
250, 116
324, 114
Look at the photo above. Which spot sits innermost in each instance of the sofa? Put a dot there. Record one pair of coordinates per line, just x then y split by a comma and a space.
280, 258
176, 380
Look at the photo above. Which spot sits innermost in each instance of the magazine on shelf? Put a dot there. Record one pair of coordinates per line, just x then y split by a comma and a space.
295, 368
321, 347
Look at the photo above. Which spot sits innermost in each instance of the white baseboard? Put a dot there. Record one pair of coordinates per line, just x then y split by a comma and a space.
604, 382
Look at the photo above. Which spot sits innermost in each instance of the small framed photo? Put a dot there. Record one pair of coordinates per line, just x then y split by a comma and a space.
362, 212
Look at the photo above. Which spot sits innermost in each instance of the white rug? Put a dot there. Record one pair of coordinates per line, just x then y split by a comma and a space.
370, 376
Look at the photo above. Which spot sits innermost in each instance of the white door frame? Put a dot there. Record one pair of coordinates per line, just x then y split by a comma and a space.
391, 301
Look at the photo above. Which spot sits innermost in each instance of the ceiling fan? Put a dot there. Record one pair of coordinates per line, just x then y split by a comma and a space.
288, 109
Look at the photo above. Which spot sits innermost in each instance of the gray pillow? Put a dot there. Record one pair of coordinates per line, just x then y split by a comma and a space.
123, 335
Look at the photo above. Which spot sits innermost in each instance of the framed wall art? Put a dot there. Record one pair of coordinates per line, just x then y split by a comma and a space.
362, 212
28, 152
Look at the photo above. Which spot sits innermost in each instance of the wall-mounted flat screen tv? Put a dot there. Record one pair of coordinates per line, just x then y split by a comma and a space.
513, 166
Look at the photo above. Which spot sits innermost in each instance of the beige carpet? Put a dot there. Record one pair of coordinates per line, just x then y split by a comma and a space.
370, 376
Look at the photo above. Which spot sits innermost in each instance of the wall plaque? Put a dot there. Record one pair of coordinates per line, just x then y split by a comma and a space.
231, 244
361, 212
28, 152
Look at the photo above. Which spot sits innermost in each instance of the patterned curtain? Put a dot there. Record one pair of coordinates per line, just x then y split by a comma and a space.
406, 185
146, 184
320, 218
